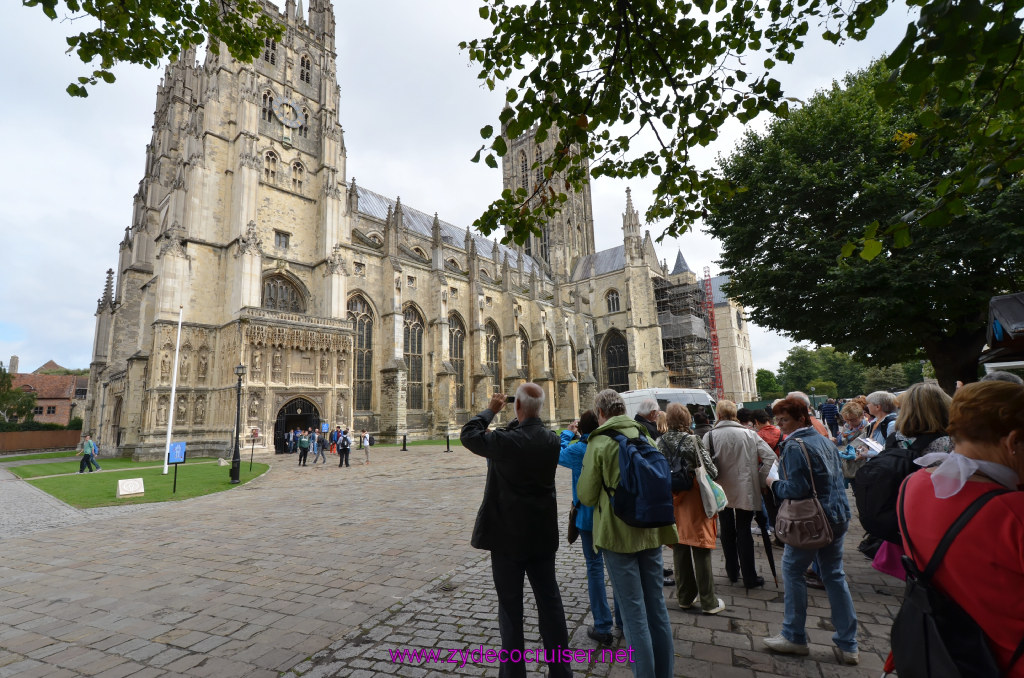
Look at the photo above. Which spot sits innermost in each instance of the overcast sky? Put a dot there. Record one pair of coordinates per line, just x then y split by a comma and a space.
411, 107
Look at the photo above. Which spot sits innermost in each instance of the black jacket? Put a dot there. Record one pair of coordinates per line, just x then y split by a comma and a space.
652, 428
518, 515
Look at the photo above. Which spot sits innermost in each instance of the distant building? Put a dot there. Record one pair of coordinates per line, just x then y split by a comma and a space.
733, 345
55, 396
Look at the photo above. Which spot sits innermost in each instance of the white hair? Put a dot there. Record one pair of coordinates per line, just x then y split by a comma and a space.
801, 395
647, 405
530, 397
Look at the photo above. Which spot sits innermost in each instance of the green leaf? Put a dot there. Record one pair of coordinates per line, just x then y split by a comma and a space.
499, 146
485, 11
871, 249
487, 131
847, 251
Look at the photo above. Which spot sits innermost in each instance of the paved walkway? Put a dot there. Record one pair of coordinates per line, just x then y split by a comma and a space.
320, 571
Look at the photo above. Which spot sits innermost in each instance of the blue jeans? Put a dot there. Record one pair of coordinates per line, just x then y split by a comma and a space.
595, 586
637, 579
318, 452
830, 559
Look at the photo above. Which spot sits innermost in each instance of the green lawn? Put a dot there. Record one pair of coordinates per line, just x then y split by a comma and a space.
100, 489
30, 457
110, 464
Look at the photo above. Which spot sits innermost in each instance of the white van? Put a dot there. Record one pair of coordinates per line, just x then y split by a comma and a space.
693, 398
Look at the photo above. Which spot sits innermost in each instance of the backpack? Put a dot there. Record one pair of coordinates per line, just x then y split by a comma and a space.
878, 485
643, 497
932, 636
372, 440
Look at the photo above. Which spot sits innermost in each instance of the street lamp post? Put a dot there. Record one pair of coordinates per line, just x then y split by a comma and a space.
236, 459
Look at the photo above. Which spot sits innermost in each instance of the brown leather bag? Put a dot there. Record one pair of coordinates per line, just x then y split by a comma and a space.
801, 523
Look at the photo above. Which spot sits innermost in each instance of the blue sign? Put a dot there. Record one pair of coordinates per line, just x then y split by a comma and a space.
176, 454
324, 427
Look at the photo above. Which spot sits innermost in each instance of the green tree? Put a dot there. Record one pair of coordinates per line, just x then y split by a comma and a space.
767, 385
884, 378
913, 371
14, 402
638, 85
811, 180
821, 387
847, 373
148, 32
801, 365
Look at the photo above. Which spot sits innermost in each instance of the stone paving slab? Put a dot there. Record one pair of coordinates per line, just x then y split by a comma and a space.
319, 571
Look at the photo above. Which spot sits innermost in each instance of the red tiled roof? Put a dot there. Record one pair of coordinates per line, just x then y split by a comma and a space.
46, 386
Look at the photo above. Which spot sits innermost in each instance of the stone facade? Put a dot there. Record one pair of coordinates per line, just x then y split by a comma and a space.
345, 306
738, 375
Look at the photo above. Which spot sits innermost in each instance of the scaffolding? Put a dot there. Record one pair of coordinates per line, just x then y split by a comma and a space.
685, 334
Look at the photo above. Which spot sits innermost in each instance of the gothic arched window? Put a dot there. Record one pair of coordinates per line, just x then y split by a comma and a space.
361, 315
281, 294
270, 167
551, 355
492, 353
544, 243
412, 332
305, 66
613, 301
524, 352
457, 357
616, 362
304, 127
524, 170
539, 172
270, 51
268, 105
573, 364
297, 176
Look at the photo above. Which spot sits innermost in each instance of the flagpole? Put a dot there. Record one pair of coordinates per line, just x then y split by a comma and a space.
174, 387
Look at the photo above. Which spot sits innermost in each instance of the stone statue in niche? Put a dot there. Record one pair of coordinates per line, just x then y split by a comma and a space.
254, 407
165, 368
277, 361
181, 410
183, 370
161, 410
341, 407
203, 366
257, 362
200, 409
324, 366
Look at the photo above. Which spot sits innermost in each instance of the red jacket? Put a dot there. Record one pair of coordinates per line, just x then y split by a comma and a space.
983, 571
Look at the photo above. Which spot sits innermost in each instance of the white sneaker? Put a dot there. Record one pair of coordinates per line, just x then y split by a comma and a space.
783, 645
754, 529
718, 608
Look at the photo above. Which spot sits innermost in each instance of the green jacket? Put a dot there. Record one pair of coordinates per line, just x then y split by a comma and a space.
600, 470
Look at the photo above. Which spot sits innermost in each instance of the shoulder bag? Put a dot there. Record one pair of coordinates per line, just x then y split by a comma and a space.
711, 493
801, 523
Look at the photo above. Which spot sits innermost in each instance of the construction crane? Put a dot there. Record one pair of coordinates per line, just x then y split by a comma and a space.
717, 384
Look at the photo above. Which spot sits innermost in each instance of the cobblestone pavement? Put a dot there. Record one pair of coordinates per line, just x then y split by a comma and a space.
319, 571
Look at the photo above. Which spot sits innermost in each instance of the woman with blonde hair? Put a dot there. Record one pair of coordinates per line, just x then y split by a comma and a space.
662, 422
985, 562
697, 533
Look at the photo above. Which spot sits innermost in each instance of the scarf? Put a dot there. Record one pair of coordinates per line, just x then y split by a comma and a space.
954, 469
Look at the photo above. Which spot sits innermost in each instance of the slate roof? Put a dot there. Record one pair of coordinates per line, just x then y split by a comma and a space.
376, 205
600, 263
681, 266
716, 289
46, 386
49, 366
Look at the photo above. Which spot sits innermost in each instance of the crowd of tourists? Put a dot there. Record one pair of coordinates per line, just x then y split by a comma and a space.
919, 466
320, 444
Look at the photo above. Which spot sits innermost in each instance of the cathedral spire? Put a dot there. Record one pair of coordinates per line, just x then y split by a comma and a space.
298, 11
631, 218
107, 300
680, 266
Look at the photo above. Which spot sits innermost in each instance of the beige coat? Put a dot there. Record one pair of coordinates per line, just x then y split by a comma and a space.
743, 460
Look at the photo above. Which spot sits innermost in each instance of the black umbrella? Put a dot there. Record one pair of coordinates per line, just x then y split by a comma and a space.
762, 521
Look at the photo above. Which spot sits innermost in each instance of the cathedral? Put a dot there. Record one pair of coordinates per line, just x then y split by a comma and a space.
347, 307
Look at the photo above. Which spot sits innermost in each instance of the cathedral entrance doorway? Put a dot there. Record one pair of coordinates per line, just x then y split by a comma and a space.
296, 413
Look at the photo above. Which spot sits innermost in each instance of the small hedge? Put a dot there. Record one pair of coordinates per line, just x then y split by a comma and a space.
13, 427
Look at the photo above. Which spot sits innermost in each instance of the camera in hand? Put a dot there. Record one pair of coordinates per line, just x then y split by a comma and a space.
510, 399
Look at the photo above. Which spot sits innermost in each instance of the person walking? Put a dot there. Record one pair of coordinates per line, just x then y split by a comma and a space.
344, 447
803, 443
697, 533
365, 440
633, 554
317, 445
518, 523
88, 455
743, 459
304, 447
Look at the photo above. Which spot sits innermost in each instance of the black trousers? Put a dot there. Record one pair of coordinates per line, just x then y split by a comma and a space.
86, 462
343, 456
738, 545
508, 574
303, 453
